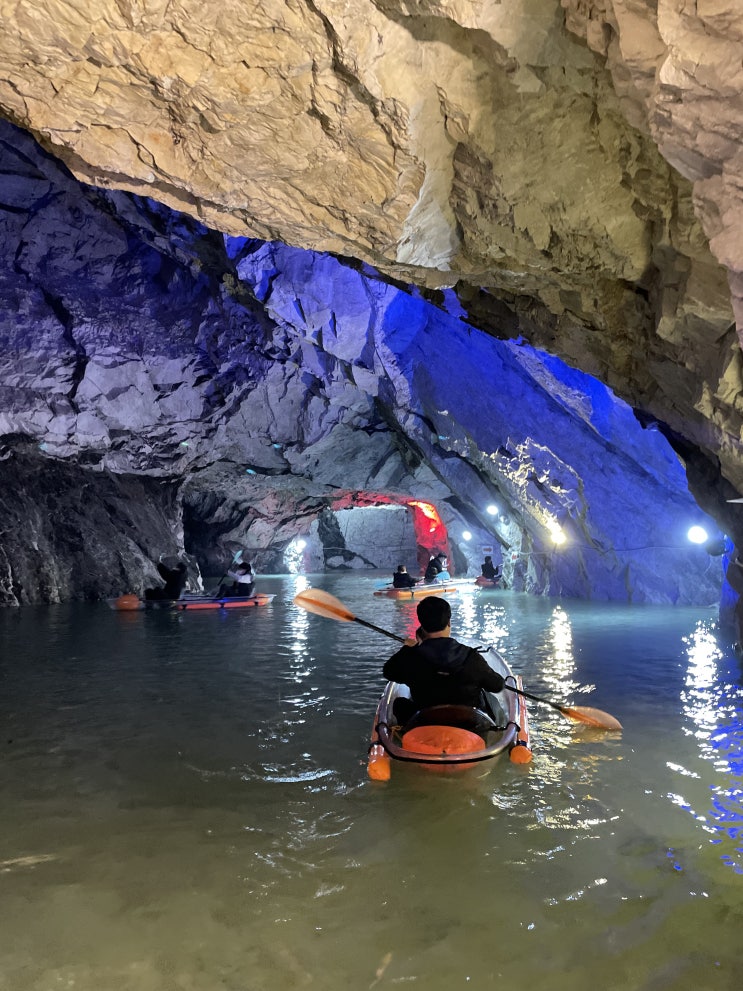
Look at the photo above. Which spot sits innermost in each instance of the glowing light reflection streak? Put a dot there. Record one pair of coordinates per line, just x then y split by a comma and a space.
559, 667
715, 710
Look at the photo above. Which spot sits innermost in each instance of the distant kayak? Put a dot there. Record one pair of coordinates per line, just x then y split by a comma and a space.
133, 603
488, 582
418, 591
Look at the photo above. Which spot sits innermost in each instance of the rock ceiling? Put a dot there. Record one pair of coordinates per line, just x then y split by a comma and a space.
566, 173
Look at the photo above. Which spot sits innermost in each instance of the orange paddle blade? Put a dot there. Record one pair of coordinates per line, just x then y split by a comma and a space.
581, 713
324, 604
591, 717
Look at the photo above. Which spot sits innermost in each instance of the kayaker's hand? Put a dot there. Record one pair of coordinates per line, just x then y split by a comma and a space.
410, 642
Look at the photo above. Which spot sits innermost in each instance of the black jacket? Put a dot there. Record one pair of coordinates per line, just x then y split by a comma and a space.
175, 579
442, 671
401, 579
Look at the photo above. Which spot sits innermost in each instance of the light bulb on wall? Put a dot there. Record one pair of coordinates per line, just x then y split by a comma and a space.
466, 535
556, 532
492, 510
697, 535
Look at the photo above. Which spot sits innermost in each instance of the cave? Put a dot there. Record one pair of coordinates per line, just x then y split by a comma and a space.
380, 303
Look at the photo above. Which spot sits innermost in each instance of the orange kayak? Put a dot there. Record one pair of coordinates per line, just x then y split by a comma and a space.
132, 603
418, 591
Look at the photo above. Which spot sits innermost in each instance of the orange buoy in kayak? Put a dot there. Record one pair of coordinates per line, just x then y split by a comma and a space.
128, 602
442, 740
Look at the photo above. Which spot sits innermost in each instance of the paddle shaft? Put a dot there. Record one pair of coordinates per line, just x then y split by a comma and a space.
327, 605
566, 710
378, 629
536, 698
516, 691
235, 556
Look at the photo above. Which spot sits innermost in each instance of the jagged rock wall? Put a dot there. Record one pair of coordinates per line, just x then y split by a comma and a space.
73, 534
677, 70
269, 384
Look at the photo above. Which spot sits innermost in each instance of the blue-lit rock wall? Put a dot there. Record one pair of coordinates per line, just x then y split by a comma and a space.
263, 384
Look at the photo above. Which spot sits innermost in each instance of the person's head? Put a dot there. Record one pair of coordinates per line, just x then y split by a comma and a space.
434, 614
488, 559
401, 569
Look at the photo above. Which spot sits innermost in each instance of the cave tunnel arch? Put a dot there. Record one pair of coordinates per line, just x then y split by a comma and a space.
352, 530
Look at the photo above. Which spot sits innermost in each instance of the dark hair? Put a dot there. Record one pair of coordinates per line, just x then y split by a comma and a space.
400, 568
434, 613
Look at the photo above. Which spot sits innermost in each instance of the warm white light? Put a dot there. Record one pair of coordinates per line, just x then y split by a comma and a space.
300, 544
493, 510
556, 532
466, 535
697, 535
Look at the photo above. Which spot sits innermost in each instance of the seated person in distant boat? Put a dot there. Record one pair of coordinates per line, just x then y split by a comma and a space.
438, 669
490, 570
175, 581
401, 578
243, 581
433, 569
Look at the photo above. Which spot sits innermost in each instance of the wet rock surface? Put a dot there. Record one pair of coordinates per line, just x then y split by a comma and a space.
231, 392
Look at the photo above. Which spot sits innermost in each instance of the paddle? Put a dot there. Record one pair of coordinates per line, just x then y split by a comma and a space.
235, 556
324, 604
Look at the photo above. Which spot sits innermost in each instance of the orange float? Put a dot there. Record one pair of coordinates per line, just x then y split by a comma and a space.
520, 752
128, 603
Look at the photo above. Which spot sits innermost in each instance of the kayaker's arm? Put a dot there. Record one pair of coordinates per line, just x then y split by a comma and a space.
396, 668
488, 679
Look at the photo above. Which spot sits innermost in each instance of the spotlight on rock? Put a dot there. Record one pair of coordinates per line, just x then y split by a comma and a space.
466, 535
697, 535
492, 509
556, 533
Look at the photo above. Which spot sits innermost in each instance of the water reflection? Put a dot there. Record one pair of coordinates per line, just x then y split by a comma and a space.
714, 713
186, 804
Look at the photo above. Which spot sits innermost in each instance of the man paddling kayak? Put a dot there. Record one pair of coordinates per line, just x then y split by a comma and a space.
438, 669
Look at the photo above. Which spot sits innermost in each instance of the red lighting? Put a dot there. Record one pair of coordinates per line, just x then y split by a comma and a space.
430, 513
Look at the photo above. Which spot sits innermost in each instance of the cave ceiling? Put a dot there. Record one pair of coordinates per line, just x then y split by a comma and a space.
561, 173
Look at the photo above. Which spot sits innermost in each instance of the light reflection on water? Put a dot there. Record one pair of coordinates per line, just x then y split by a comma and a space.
184, 805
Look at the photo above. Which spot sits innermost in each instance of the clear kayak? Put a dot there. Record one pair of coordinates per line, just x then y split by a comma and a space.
133, 603
450, 737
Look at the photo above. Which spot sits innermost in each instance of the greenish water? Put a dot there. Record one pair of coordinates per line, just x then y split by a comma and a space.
184, 805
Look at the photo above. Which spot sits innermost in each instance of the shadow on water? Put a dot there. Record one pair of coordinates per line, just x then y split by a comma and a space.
185, 804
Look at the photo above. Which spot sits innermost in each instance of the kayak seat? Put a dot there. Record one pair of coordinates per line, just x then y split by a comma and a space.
461, 716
